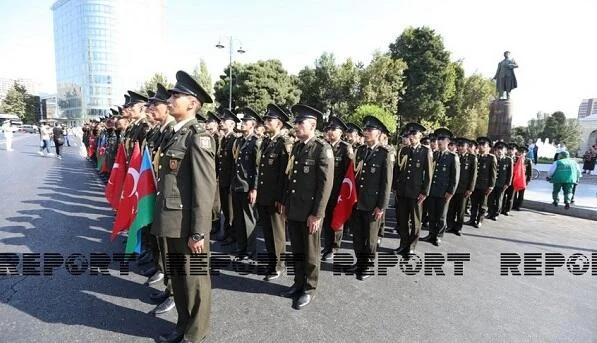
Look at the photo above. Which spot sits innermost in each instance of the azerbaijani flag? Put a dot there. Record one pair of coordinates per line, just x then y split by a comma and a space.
146, 192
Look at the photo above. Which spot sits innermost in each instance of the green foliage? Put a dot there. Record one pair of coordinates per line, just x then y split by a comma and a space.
203, 78
386, 117
454, 93
427, 75
472, 117
382, 82
152, 83
18, 102
556, 127
256, 85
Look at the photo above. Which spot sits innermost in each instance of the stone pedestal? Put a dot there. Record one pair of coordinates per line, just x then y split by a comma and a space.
500, 120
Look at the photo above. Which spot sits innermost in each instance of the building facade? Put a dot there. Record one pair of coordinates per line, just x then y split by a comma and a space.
99, 48
587, 107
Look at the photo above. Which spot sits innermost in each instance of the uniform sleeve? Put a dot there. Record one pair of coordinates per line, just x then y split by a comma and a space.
454, 175
203, 182
325, 180
385, 182
492, 171
253, 177
510, 172
284, 157
473, 175
428, 168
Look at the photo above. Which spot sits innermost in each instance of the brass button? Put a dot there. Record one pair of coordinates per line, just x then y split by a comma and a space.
293, 191
180, 205
158, 193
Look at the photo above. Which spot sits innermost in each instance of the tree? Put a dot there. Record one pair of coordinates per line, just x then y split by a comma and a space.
382, 82
202, 76
258, 84
387, 118
427, 75
472, 118
152, 83
15, 101
454, 93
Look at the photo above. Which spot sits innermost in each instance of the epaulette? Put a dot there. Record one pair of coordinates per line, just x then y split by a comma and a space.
385, 147
196, 128
321, 142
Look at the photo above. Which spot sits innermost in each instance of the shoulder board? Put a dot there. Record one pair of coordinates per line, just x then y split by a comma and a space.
320, 141
345, 143
385, 148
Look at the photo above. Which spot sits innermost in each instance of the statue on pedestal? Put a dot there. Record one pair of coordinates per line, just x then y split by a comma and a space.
504, 76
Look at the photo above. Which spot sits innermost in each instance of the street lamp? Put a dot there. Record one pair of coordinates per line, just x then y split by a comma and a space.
240, 50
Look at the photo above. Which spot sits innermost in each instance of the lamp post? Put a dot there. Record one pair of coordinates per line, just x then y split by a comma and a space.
240, 51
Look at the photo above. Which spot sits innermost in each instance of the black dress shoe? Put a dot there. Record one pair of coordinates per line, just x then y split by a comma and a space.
165, 306
506, 213
272, 275
436, 242
477, 225
327, 255
292, 291
364, 274
401, 251
156, 277
470, 223
188, 341
149, 272
428, 238
172, 337
303, 301
159, 296
457, 233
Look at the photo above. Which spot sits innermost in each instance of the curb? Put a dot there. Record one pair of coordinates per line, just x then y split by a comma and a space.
577, 212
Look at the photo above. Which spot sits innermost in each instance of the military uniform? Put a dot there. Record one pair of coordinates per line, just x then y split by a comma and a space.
414, 173
111, 147
225, 169
519, 195
186, 184
446, 174
244, 180
502, 182
486, 174
311, 174
466, 183
273, 161
374, 184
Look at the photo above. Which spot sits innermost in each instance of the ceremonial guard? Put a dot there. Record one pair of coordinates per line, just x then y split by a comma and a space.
244, 185
353, 135
310, 179
212, 125
138, 128
273, 161
225, 167
111, 140
446, 173
486, 174
186, 184
508, 200
413, 180
466, 186
374, 165
343, 153
502, 182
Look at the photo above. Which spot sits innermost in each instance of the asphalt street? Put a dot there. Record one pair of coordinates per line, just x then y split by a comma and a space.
57, 206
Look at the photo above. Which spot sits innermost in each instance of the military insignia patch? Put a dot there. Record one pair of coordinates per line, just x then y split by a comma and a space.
270, 161
329, 153
205, 142
444, 169
173, 164
418, 165
466, 167
372, 170
306, 169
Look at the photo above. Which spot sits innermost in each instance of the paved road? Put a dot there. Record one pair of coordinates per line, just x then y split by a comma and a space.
57, 206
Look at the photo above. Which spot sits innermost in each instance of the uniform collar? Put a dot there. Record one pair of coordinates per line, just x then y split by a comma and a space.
181, 123
168, 121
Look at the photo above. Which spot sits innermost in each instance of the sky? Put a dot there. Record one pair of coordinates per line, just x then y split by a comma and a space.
552, 41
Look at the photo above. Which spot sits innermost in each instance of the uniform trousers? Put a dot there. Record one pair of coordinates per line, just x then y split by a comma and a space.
364, 238
409, 211
478, 205
437, 210
456, 210
244, 223
274, 235
226, 204
306, 257
495, 201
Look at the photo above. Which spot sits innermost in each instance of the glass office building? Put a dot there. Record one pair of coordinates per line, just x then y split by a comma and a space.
98, 47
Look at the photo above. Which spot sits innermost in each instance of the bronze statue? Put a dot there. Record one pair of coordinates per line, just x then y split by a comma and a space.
504, 76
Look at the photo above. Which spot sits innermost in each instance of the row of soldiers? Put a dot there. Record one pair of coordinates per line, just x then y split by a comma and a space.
206, 173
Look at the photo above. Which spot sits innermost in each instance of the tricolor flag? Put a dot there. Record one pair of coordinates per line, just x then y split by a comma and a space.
346, 199
127, 209
117, 176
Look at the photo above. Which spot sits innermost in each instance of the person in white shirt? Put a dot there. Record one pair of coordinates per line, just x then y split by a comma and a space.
45, 132
7, 130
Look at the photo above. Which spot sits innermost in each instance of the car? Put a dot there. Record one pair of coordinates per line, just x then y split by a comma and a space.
29, 128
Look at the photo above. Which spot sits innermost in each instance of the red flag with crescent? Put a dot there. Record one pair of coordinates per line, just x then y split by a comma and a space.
113, 189
128, 201
346, 199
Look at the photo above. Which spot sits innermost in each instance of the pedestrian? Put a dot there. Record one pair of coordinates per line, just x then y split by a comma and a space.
589, 159
186, 189
563, 174
374, 167
58, 137
528, 170
310, 180
7, 131
446, 174
68, 133
44, 133
413, 182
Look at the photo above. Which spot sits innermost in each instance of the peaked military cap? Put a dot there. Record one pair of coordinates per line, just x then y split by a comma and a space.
523, 148
414, 127
425, 141
288, 125
499, 145
150, 94
274, 111
200, 118
472, 142
336, 123
442, 133
482, 140
249, 114
229, 115
371, 122
513, 146
136, 97
185, 84
212, 117
302, 112
161, 95
352, 127
114, 112
432, 137
127, 101
462, 141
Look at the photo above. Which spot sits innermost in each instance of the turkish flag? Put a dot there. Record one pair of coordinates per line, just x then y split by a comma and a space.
346, 199
519, 180
127, 209
114, 186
